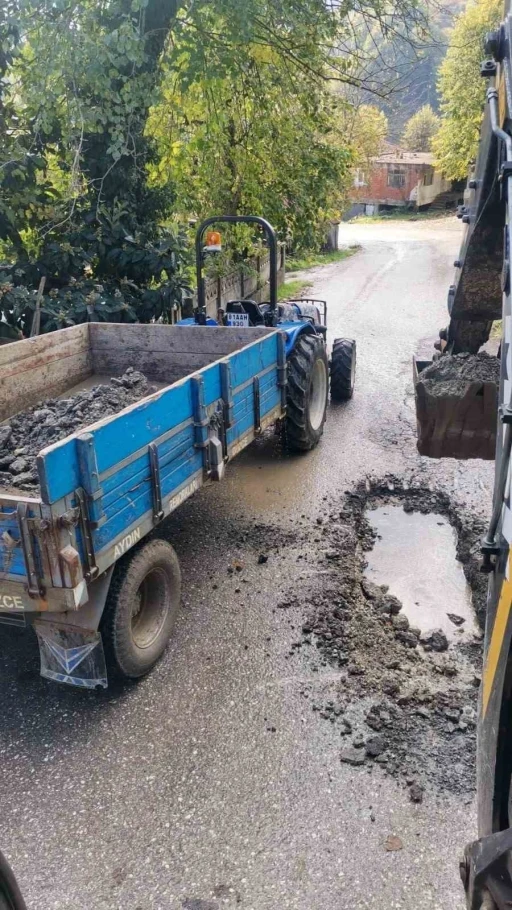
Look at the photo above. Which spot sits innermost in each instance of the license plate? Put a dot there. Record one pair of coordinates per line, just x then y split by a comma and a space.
240, 320
11, 602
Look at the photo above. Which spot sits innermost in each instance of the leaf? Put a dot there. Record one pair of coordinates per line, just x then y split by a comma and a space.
393, 843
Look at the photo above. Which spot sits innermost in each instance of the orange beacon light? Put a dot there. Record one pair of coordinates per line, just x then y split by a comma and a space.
213, 242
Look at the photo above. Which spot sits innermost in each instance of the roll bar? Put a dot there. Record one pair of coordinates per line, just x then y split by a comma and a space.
236, 219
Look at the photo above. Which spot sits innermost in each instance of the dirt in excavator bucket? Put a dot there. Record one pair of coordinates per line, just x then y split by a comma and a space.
457, 405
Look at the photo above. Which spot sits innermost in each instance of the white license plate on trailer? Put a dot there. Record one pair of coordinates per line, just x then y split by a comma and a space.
237, 320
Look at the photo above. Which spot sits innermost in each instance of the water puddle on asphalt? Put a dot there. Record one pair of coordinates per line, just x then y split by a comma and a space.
415, 555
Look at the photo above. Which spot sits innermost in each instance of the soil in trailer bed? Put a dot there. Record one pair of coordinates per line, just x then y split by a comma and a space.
24, 436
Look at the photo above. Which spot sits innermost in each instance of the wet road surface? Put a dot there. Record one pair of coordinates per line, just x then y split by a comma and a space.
212, 784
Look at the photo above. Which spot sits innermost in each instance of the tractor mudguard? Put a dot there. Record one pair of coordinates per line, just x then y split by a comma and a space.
293, 330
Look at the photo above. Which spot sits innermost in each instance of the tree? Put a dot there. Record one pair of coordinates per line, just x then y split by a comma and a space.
75, 204
399, 65
421, 129
366, 128
241, 130
462, 89
88, 187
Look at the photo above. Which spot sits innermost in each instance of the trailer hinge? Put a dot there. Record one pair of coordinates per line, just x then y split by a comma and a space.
282, 379
226, 386
201, 421
505, 277
156, 486
490, 550
86, 535
488, 68
218, 426
504, 179
34, 585
69, 519
216, 459
257, 404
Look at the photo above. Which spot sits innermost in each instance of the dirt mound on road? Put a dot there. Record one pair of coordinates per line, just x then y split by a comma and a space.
415, 693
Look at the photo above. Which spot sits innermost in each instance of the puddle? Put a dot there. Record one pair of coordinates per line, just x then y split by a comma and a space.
415, 555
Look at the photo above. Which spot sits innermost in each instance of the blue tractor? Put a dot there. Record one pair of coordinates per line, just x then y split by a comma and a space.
304, 323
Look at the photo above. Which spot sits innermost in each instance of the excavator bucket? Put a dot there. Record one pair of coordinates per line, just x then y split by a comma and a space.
457, 418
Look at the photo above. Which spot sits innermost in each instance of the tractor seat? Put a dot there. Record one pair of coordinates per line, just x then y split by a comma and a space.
246, 306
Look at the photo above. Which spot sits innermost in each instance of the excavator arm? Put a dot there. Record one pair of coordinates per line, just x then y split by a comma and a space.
481, 294
474, 299
459, 420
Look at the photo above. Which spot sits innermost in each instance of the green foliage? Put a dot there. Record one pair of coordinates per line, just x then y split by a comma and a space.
120, 120
311, 260
420, 130
401, 62
75, 203
367, 128
292, 289
462, 89
241, 130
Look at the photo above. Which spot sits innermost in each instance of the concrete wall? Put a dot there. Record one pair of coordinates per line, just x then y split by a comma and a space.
427, 194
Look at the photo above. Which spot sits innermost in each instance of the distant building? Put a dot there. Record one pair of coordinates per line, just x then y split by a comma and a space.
397, 179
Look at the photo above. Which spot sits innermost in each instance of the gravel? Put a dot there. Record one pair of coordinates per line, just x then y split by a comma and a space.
416, 792
30, 431
451, 374
435, 640
352, 755
375, 745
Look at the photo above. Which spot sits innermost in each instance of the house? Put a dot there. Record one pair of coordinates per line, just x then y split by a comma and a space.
397, 179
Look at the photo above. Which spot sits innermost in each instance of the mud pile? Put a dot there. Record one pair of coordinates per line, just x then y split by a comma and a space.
450, 375
406, 700
25, 434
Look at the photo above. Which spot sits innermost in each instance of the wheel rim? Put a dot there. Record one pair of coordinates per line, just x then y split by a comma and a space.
150, 608
317, 394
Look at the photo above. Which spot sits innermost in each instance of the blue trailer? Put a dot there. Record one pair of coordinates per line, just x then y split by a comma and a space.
84, 562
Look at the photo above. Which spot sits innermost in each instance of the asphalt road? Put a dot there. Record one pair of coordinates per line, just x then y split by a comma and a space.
212, 783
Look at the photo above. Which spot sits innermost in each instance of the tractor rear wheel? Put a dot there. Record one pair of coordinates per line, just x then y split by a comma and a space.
343, 369
308, 373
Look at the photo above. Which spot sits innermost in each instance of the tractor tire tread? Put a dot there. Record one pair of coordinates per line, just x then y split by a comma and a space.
343, 369
300, 436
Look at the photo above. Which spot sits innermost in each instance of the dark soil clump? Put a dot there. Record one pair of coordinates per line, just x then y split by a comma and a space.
27, 433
